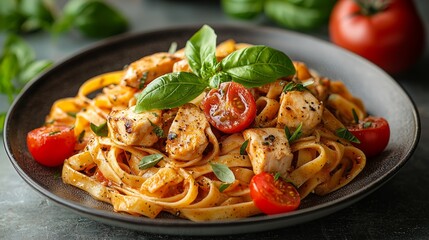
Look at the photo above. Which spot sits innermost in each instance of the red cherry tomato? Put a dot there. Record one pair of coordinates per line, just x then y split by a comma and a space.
51, 145
231, 108
373, 134
390, 35
273, 196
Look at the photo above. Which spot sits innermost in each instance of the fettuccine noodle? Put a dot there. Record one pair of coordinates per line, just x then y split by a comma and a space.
183, 182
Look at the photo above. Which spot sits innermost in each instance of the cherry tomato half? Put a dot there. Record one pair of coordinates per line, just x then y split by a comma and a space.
51, 145
388, 33
373, 134
231, 108
273, 196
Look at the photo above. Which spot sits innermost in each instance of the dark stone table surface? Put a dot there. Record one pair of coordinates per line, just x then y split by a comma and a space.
398, 210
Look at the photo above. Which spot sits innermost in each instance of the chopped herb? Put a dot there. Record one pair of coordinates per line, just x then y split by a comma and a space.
296, 134
80, 137
156, 129
223, 173
243, 147
150, 161
100, 130
224, 186
355, 116
277, 176
292, 86
345, 134
54, 132
72, 114
57, 175
173, 48
367, 124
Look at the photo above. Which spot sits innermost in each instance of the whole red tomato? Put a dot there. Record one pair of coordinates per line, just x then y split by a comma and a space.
387, 32
51, 145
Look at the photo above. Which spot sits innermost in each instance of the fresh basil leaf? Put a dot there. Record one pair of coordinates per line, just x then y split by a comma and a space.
223, 173
18, 47
345, 134
169, 91
243, 9
80, 137
277, 176
156, 129
38, 14
200, 50
100, 130
33, 69
257, 65
367, 125
8, 71
296, 134
219, 78
2, 119
355, 116
150, 161
292, 16
93, 18
243, 147
224, 186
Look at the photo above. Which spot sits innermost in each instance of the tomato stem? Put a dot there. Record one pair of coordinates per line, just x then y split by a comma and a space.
371, 7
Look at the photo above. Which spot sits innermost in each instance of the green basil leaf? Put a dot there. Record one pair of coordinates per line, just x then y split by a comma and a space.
100, 130
345, 134
243, 147
292, 16
150, 161
2, 119
156, 129
200, 50
99, 20
355, 116
325, 4
8, 71
277, 176
224, 186
33, 69
169, 91
18, 47
257, 65
219, 78
223, 172
39, 14
296, 134
243, 9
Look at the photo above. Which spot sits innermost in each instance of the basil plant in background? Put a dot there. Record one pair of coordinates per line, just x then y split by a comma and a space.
292, 14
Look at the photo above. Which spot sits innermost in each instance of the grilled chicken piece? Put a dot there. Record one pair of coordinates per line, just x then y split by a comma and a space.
268, 150
299, 107
186, 138
141, 72
133, 128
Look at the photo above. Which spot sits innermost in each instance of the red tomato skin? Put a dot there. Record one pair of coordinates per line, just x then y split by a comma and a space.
223, 102
51, 145
373, 140
393, 38
271, 196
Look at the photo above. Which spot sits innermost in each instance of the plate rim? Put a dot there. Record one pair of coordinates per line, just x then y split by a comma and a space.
145, 224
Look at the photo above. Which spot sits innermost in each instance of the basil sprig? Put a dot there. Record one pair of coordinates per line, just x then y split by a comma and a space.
224, 174
253, 66
345, 134
100, 130
150, 161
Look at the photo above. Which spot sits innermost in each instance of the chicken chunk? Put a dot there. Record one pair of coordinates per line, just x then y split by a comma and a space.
133, 128
186, 138
269, 150
299, 107
141, 72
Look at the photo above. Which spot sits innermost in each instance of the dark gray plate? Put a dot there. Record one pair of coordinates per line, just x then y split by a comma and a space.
381, 94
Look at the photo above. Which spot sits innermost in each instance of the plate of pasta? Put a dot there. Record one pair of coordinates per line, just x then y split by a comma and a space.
206, 131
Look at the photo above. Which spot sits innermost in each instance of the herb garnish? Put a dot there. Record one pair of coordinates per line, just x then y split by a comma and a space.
253, 66
355, 116
100, 130
150, 161
277, 176
224, 174
345, 134
366, 124
156, 129
80, 137
243, 147
296, 134
293, 86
